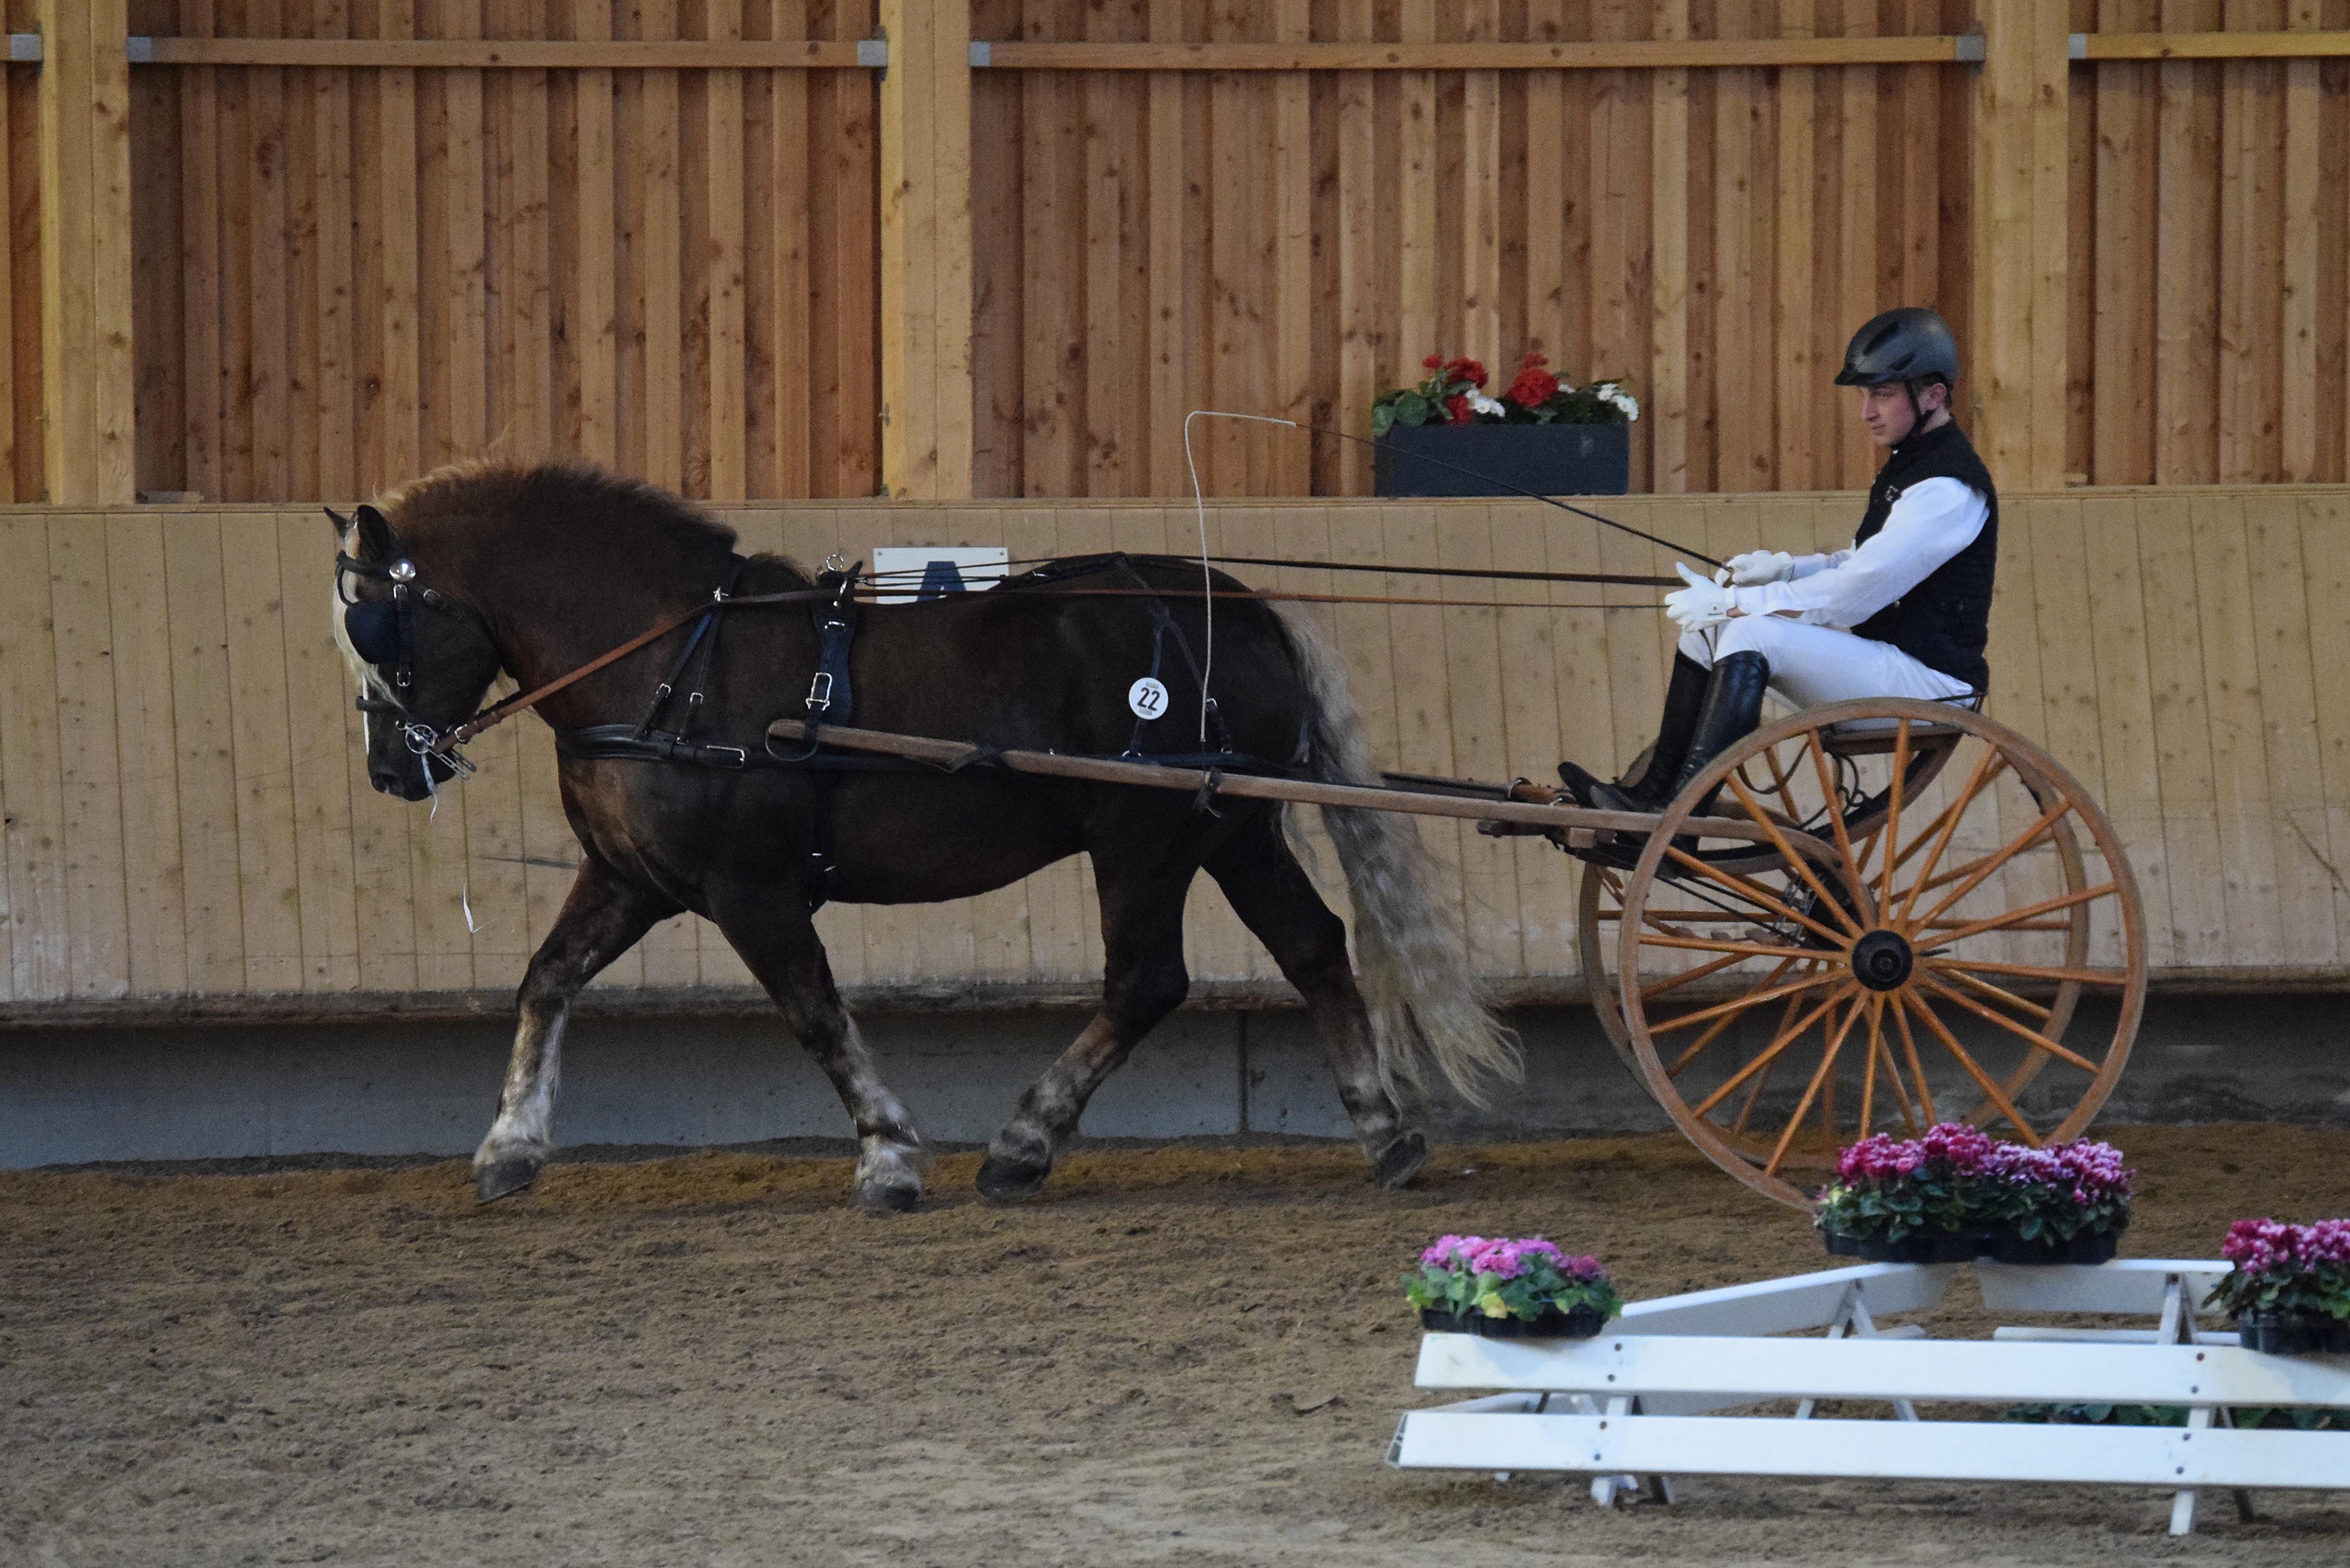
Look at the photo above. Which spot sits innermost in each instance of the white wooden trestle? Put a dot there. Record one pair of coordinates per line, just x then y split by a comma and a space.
1644, 1398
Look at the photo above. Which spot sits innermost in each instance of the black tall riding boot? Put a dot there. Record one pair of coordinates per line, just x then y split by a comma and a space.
1684, 697
1733, 706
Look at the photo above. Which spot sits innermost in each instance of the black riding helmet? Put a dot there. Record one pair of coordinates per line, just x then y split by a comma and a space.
1910, 344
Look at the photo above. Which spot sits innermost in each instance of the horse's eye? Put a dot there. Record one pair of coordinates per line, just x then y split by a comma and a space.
373, 626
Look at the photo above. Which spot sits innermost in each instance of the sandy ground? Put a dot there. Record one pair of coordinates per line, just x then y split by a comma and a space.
711, 1360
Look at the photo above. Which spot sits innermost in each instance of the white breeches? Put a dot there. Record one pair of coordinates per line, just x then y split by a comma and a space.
1814, 664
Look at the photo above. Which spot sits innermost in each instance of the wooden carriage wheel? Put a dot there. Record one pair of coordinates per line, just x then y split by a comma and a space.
1913, 949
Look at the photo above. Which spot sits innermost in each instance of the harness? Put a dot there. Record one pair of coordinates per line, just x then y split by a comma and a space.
381, 632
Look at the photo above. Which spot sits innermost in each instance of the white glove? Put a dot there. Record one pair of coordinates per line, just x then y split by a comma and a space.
1702, 604
1758, 567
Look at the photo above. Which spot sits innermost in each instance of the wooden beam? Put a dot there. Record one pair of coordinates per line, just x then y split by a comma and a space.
89, 380
2020, 215
2310, 45
1414, 55
926, 304
509, 54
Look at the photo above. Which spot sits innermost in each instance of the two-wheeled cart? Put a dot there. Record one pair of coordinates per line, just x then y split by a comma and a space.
1897, 913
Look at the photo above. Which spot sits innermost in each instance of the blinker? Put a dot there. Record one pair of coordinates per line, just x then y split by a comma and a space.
373, 626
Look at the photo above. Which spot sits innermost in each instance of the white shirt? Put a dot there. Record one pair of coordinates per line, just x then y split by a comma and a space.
1933, 521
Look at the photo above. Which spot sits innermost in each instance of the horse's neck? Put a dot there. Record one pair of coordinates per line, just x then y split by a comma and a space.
558, 623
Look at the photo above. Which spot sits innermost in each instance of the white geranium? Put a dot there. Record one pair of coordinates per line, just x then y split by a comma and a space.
1609, 393
1482, 404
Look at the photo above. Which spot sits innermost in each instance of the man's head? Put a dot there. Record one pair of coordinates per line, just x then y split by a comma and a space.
1904, 361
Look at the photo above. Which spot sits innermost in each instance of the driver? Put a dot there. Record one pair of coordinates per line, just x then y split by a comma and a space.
1903, 612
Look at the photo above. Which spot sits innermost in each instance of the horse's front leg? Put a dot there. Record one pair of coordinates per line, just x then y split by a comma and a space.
601, 919
773, 931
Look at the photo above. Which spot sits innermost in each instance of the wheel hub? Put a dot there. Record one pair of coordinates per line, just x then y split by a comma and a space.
1882, 960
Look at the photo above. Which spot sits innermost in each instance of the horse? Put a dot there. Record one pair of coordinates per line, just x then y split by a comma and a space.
536, 571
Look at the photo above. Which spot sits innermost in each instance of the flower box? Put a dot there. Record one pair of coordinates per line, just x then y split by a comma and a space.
1581, 1321
1957, 1194
2292, 1332
1503, 460
2087, 1247
1918, 1247
1510, 1289
2290, 1290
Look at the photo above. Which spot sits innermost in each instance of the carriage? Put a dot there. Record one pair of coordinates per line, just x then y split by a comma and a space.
1902, 912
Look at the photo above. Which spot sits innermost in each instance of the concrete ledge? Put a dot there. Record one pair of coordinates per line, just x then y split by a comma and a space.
426, 1085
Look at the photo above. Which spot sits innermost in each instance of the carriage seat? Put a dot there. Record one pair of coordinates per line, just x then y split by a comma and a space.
1875, 737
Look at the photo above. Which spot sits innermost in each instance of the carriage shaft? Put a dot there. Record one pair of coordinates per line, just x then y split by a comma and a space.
1310, 792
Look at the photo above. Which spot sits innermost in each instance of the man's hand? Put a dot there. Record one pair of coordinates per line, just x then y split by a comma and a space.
1702, 604
1757, 566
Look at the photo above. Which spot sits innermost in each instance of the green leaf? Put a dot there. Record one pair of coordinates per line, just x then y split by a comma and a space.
1411, 409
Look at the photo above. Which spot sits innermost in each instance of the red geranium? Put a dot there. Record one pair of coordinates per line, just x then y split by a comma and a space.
1534, 385
1456, 408
1434, 362
1467, 370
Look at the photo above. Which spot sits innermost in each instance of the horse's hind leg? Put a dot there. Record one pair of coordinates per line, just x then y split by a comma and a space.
601, 919
1277, 901
1143, 981
777, 938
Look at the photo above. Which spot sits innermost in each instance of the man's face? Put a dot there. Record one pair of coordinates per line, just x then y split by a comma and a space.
1886, 410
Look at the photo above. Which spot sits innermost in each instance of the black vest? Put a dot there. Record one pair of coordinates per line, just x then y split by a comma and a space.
1944, 621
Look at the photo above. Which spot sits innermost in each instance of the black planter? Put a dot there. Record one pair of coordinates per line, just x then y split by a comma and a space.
2088, 1247
1926, 1247
1548, 460
2293, 1333
1581, 1323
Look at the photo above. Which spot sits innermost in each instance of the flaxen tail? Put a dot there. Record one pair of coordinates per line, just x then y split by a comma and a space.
1426, 1004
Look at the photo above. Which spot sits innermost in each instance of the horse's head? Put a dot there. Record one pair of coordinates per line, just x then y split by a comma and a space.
424, 658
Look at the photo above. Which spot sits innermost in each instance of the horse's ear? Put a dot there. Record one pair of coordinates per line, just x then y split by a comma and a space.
342, 524
378, 543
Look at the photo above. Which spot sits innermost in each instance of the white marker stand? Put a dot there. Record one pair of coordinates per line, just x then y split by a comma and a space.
1641, 1398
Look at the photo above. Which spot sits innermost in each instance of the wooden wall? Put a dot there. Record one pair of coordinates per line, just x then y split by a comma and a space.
346, 276
1297, 243
2210, 259
188, 824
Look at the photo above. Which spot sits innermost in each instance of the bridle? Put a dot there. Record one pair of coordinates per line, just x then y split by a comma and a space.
382, 632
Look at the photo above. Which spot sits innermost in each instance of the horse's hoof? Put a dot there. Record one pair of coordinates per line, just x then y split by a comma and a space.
504, 1178
888, 1197
1003, 1180
1399, 1161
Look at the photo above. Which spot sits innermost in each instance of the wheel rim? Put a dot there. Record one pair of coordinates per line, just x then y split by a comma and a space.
1925, 967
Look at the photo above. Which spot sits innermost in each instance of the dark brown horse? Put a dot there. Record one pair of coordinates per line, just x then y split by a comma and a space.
535, 571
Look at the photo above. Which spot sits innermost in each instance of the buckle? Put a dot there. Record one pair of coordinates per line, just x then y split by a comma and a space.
726, 756
819, 697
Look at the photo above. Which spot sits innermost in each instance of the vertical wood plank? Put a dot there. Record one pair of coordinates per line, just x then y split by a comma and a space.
1292, 175
34, 833
261, 739
206, 762
1363, 349
200, 269
1416, 321
2277, 614
2301, 262
2122, 408
2186, 261
1740, 402
318, 691
1860, 92
269, 342
2231, 684
336, 378
1168, 332
593, 332
1795, 347
723, 265
1668, 346
97, 954
2115, 598
2172, 578
662, 265
2324, 520
140, 650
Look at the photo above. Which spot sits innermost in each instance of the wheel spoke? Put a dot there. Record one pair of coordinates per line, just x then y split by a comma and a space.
1751, 892
1893, 811
1780, 784
1998, 994
2014, 846
1992, 1015
1974, 1070
1724, 945
1878, 1042
1787, 1036
1715, 1030
1657, 988
1761, 1079
1998, 922
1739, 1003
1868, 1067
1811, 1090
1949, 822
2030, 971
1691, 916
1801, 865
1917, 1067
1827, 776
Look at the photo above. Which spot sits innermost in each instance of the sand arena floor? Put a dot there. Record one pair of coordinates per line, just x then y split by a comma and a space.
1189, 1354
